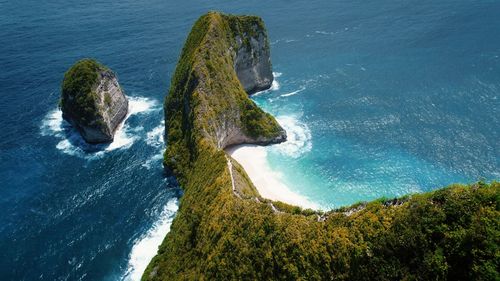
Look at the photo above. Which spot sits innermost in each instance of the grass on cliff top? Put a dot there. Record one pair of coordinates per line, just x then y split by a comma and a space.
78, 95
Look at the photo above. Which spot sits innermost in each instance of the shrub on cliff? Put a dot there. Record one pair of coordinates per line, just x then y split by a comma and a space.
77, 87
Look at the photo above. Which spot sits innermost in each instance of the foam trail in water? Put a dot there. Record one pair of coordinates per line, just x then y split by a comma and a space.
293, 93
140, 105
73, 144
155, 138
324, 32
298, 137
153, 162
145, 248
123, 137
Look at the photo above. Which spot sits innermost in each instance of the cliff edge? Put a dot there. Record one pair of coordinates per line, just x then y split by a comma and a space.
93, 101
252, 58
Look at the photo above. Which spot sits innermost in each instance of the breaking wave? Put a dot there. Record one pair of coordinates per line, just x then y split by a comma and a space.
145, 247
298, 137
155, 137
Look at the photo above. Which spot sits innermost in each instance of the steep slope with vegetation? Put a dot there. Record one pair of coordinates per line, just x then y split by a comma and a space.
225, 231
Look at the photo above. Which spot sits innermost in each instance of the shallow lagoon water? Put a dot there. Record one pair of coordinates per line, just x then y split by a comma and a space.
381, 99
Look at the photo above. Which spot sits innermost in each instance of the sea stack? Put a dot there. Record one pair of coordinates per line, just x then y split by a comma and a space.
93, 101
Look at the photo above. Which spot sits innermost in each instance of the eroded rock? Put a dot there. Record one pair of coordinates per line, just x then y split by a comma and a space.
93, 101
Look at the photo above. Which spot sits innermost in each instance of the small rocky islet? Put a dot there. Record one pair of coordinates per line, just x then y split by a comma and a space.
92, 101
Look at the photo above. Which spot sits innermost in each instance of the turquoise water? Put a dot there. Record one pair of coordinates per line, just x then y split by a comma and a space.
387, 100
381, 99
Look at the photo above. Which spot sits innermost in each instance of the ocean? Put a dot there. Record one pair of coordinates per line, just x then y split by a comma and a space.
379, 99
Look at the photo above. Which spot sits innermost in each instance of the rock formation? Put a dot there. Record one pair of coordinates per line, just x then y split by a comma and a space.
225, 231
225, 58
252, 61
92, 101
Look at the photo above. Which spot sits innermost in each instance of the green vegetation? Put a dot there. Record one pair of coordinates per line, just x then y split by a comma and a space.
205, 93
78, 96
257, 122
107, 99
449, 234
249, 25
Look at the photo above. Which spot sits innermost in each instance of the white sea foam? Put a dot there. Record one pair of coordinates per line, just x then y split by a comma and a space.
283, 40
68, 148
298, 137
275, 85
140, 105
293, 93
52, 123
146, 247
155, 137
154, 161
324, 32
72, 143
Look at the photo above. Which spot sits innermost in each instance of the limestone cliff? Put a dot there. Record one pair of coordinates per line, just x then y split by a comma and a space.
224, 56
93, 101
252, 60
224, 230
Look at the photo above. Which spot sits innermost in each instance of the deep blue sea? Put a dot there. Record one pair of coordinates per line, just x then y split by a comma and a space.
380, 98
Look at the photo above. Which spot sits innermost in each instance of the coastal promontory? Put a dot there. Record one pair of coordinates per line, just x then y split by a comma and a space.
207, 104
224, 229
93, 101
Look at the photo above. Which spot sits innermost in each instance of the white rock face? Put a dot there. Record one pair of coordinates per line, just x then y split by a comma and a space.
252, 62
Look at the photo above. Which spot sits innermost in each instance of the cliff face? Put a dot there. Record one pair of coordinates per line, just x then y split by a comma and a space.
252, 60
225, 231
93, 101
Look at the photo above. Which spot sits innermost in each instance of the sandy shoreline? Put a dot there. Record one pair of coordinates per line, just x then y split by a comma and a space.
269, 183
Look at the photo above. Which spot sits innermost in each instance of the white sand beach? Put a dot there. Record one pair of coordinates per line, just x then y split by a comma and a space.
269, 183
